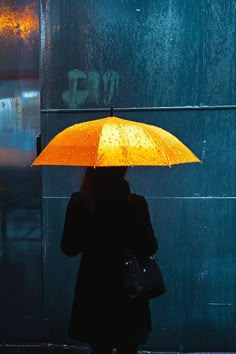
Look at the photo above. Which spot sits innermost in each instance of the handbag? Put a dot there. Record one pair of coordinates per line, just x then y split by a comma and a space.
142, 276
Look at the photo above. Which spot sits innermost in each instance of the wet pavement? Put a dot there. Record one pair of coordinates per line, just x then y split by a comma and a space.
48, 348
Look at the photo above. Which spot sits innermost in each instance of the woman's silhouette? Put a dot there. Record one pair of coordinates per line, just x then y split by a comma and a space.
103, 220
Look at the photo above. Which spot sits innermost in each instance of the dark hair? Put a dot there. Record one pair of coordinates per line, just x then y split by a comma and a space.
95, 177
104, 183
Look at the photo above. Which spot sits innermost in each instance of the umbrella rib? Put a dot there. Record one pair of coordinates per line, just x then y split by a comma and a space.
161, 158
98, 158
168, 146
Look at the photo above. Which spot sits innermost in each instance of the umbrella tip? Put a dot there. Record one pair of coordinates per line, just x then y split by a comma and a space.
111, 112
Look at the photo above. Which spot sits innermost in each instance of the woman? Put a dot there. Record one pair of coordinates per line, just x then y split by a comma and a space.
103, 220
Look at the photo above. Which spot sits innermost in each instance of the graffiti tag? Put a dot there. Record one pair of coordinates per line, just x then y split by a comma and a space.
97, 88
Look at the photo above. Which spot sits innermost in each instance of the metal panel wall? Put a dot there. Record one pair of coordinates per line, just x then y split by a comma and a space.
134, 53
145, 54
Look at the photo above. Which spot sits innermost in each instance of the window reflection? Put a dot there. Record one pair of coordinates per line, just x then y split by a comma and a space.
20, 192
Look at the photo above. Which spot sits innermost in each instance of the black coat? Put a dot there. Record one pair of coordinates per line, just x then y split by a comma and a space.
101, 309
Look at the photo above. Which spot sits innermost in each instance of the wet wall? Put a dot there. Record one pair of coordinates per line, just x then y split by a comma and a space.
168, 63
171, 64
20, 185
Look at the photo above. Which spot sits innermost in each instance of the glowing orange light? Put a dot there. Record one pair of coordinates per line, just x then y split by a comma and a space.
18, 24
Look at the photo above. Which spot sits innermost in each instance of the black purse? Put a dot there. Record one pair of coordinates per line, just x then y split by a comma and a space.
142, 276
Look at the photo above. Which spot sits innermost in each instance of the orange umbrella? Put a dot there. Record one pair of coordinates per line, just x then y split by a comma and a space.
113, 141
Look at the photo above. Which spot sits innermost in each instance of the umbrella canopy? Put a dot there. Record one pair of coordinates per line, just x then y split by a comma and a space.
113, 141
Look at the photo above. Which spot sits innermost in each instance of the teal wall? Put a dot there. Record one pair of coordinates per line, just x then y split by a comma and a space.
177, 59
